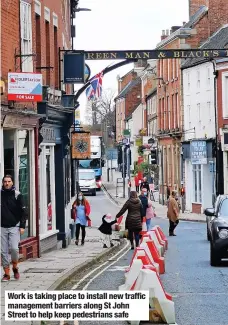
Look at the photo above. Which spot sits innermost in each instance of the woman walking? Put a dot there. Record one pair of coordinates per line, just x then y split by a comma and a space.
134, 217
80, 214
173, 213
149, 215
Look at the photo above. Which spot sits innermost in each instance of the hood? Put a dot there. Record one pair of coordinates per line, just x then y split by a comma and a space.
134, 200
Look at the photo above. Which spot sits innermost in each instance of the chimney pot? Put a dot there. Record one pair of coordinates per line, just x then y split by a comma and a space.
167, 32
163, 33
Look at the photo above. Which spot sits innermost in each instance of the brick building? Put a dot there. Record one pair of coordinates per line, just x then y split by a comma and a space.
205, 18
33, 33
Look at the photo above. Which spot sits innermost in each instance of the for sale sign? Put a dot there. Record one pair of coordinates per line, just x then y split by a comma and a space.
25, 87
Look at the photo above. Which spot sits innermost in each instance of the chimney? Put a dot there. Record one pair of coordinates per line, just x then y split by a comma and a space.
163, 35
167, 32
217, 14
194, 6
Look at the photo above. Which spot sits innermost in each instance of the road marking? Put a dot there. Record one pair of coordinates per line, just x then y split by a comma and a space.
107, 267
88, 274
119, 268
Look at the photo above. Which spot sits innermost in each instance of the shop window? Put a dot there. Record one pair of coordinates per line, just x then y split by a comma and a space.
48, 193
8, 136
197, 184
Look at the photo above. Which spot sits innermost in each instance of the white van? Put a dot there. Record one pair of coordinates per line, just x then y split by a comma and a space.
87, 181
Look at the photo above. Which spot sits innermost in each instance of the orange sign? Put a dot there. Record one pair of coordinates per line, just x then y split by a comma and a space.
81, 146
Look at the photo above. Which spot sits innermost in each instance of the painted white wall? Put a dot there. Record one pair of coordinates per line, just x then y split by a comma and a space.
198, 83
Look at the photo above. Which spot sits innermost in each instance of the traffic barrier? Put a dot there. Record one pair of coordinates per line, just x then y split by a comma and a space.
162, 235
160, 248
160, 301
153, 254
138, 252
144, 228
160, 240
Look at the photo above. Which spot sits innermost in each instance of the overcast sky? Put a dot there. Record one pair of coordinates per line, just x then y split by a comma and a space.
124, 25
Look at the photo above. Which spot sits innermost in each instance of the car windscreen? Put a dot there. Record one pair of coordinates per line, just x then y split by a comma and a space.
223, 212
89, 164
86, 176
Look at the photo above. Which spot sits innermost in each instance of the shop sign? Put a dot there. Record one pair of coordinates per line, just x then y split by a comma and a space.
81, 145
198, 152
127, 133
25, 87
74, 68
48, 134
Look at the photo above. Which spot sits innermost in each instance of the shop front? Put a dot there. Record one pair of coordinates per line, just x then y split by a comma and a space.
17, 138
56, 190
199, 169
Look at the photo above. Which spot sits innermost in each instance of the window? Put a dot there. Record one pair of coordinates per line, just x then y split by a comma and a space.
173, 112
177, 110
168, 69
26, 37
224, 209
225, 95
168, 113
199, 112
38, 42
48, 61
56, 58
163, 114
208, 76
209, 110
198, 78
189, 116
188, 80
174, 68
197, 184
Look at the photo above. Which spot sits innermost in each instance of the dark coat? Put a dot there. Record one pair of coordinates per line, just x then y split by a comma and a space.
13, 210
106, 227
144, 201
134, 216
145, 185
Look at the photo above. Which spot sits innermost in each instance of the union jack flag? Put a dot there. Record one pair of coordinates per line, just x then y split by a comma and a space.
94, 90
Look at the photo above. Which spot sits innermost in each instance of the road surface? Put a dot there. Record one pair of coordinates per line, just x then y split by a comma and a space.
200, 292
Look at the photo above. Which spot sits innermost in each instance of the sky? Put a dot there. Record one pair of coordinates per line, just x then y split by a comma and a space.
123, 25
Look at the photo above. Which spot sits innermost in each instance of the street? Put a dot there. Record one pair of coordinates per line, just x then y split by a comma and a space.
200, 292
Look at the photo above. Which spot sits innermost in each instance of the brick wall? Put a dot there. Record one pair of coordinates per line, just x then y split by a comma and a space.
194, 5
131, 99
125, 80
218, 14
220, 90
9, 39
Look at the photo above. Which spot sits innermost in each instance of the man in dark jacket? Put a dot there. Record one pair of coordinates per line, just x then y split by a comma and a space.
144, 201
145, 185
13, 220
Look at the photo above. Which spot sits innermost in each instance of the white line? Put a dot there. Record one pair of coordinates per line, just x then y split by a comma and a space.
97, 268
111, 200
103, 270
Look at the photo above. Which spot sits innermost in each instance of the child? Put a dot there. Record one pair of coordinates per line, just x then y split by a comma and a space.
149, 214
106, 229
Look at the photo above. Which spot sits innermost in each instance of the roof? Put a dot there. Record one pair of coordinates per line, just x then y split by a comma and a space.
196, 17
219, 40
128, 87
185, 30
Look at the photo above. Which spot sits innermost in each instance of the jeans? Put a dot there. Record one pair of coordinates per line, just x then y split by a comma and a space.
131, 235
78, 227
172, 226
148, 222
10, 238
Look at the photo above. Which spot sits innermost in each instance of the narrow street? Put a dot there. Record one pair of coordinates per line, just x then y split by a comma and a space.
200, 292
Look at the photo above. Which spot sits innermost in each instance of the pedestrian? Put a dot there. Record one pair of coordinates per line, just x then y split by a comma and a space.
144, 201
137, 182
106, 229
145, 185
80, 215
13, 221
173, 213
134, 217
149, 215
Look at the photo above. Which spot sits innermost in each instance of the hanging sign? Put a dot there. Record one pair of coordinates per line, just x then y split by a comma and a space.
74, 68
81, 145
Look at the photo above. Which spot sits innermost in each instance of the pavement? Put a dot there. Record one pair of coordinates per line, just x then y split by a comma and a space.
51, 270
199, 291
161, 210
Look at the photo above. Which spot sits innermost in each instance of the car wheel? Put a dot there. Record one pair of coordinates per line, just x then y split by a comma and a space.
94, 193
208, 234
215, 259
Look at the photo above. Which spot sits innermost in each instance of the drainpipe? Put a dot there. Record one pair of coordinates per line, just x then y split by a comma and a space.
216, 127
37, 188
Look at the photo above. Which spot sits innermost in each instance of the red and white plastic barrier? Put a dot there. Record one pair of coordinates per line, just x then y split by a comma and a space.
144, 228
143, 273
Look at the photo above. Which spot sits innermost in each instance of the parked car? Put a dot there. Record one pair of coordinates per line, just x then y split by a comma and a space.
217, 223
87, 181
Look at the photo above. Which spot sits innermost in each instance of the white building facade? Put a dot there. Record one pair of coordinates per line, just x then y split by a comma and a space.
198, 163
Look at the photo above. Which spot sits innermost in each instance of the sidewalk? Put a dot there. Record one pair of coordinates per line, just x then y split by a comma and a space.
51, 270
161, 210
